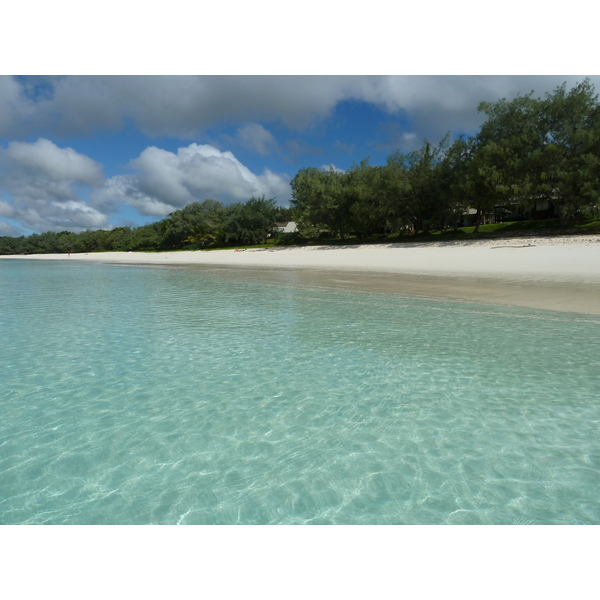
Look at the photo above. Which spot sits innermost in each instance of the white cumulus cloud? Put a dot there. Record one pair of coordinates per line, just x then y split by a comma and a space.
122, 189
73, 215
163, 181
45, 183
45, 159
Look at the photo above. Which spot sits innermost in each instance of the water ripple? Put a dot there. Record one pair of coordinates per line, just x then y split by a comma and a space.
189, 396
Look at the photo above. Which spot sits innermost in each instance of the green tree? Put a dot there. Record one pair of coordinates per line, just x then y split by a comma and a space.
12, 245
318, 202
251, 222
424, 200
66, 241
571, 177
513, 136
452, 173
394, 193
115, 239
533, 149
360, 200
197, 223
143, 238
485, 183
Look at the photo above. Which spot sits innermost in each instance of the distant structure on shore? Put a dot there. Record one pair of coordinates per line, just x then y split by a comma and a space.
286, 227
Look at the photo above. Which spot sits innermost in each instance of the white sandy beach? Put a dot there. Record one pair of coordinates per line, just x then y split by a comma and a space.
560, 273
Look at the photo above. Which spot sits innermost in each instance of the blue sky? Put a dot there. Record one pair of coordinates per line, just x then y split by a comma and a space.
79, 152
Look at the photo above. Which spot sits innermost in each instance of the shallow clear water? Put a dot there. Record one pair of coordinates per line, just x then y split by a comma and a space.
198, 395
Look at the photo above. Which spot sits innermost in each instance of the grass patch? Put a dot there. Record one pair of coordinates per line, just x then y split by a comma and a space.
543, 227
590, 225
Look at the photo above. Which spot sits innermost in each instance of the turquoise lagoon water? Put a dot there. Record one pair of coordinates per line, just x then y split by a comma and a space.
138, 395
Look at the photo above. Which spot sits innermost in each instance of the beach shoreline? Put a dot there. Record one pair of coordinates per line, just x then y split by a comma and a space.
559, 273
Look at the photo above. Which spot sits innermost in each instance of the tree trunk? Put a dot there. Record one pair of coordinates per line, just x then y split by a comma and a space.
477, 221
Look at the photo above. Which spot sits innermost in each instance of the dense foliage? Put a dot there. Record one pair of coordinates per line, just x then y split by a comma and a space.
529, 152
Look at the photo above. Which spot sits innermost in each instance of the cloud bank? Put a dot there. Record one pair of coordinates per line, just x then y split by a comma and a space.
47, 188
184, 106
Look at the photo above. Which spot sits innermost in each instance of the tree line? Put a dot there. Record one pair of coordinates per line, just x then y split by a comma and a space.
528, 150
198, 225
